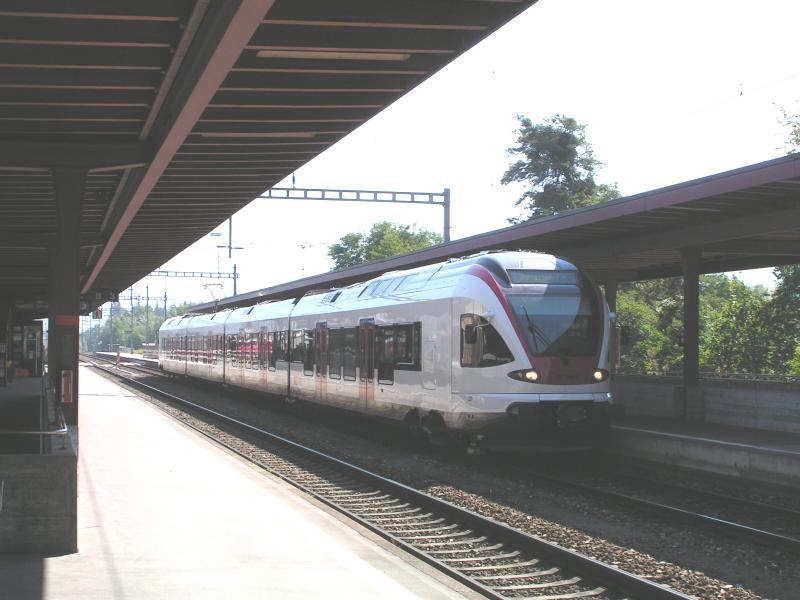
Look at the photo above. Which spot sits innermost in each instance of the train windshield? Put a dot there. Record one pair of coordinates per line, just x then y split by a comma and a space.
563, 320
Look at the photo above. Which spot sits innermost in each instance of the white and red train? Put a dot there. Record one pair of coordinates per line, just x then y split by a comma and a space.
502, 349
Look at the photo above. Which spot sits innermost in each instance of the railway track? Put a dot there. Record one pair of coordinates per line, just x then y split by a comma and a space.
485, 555
755, 521
706, 509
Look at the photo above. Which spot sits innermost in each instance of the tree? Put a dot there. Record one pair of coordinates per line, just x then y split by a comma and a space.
782, 317
652, 312
383, 241
117, 330
734, 338
558, 164
792, 122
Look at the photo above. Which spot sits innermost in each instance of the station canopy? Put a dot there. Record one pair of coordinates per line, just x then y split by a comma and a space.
180, 112
741, 219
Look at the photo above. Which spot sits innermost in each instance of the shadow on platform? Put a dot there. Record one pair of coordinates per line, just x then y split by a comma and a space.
22, 577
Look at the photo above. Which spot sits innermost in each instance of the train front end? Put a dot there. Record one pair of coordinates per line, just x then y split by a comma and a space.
534, 356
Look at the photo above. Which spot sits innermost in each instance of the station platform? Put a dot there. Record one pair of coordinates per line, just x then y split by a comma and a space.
124, 357
756, 454
165, 513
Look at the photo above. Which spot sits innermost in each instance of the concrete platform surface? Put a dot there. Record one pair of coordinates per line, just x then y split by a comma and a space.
164, 513
768, 456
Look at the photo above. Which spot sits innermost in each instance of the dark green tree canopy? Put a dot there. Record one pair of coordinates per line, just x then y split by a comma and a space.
384, 240
792, 123
558, 163
119, 329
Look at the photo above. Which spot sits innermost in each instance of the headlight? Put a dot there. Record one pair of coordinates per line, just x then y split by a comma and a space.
600, 375
527, 375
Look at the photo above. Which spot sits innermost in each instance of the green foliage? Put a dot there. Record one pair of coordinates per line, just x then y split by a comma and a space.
742, 329
652, 313
792, 122
794, 364
384, 240
734, 338
118, 329
782, 316
558, 163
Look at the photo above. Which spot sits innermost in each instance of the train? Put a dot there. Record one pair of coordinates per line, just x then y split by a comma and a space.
502, 350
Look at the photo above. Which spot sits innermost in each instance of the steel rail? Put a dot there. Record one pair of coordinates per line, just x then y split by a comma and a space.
709, 521
600, 572
755, 504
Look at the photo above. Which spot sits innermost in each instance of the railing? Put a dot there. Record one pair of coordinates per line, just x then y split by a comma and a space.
712, 376
56, 425
61, 428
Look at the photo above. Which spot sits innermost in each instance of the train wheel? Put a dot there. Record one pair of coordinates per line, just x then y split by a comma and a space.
412, 424
436, 431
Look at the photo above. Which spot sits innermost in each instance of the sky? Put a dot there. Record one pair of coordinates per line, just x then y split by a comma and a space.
669, 92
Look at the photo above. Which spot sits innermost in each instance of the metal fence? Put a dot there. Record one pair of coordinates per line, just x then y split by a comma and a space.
712, 376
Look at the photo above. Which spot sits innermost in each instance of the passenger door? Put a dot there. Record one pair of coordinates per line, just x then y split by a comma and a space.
366, 370
321, 362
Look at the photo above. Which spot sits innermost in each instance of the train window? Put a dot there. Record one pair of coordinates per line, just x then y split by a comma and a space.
349, 353
396, 283
230, 353
415, 281
298, 351
386, 355
250, 349
272, 340
321, 349
382, 286
367, 291
308, 362
407, 345
335, 342
279, 346
481, 344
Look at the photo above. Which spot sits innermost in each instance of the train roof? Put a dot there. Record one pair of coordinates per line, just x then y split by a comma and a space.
258, 312
408, 285
395, 286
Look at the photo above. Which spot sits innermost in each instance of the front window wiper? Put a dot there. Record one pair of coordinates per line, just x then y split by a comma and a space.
537, 334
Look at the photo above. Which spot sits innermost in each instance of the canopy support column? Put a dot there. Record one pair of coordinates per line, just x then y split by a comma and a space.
64, 290
692, 392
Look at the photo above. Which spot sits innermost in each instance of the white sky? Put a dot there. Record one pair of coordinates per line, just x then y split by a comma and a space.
668, 91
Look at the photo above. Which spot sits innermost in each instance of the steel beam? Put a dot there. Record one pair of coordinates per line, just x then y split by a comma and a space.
44, 239
43, 156
697, 235
756, 247
223, 34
